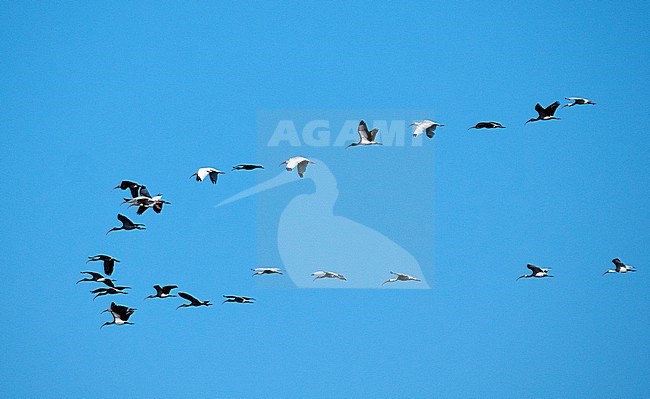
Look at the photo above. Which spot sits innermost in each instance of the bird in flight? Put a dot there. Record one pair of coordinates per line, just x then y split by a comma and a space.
246, 166
145, 201
127, 224
238, 299
400, 277
120, 314
118, 289
162, 292
487, 125
324, 274
535, 271
266, 270
300, 162
427, 126
578, 101
545, 114
620, 267
202, 173
98, 278
365, 137
109, 262
193, 301
131, 186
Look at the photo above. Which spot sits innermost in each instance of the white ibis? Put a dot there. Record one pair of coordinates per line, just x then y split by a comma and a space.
427, 126
400, 277
620, 267
266, 270
487, 125
162, 292
246, 166
365, 137
238, 299
300, 162
537, 272
118, 289
127, 224
545, 114
109, 262
193, 301
578, 101
202, 173
131, 186
120, 314
324, 274
310, 232
98, 278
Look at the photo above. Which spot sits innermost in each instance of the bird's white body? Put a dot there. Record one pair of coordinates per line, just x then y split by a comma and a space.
300, 162
202, 173
426, 125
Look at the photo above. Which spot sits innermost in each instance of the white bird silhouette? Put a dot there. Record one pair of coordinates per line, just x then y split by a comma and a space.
300, 162
425, 126
202, 173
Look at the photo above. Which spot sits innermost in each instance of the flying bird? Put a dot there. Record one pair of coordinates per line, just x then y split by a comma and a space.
131, 186
545, 114
537, 272
202, 173
578, 101
238, 299
324, 274
300, 162
193, 301
487, 125
620, 267
120, 314
246, 166
266, 270
365, 137
162, 292
118, 289
427, 126
127, 224
109, 262
400, 277
98, 278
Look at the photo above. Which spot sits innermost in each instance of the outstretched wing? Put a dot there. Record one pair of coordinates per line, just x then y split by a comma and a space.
302, 167
144, 192
550, 110
534, 268
188, 297
540, 110
431, 130
364, 134
168, 288
125, 221
213, 176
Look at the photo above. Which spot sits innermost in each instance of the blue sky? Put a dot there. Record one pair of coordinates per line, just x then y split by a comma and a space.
94, 93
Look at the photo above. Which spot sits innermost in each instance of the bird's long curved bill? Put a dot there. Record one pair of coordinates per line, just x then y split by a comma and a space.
282, 178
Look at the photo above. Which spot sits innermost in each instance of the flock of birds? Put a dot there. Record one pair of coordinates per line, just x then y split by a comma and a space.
143, 200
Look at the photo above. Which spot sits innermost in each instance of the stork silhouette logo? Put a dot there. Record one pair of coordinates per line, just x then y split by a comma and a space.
314, 224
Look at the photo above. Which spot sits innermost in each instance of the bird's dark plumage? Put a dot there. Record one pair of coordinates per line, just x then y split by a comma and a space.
246, 166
